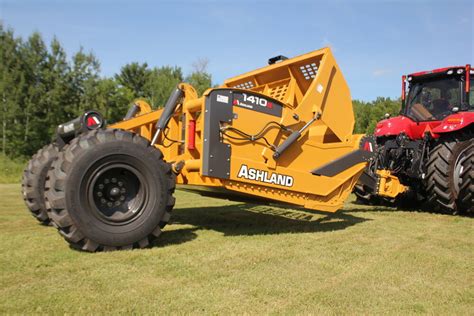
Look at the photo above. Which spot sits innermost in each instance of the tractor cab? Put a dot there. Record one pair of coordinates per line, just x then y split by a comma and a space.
440, 100
433, 95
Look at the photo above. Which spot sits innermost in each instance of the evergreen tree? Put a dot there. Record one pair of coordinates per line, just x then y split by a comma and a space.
134, 77
161, 83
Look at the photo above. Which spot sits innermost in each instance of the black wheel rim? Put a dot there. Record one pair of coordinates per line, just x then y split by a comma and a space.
117, 193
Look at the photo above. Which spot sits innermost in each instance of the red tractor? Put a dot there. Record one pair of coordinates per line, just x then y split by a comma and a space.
429, 147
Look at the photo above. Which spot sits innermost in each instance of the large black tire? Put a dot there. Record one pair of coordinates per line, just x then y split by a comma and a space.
466, 191
33, 182
442, 180
108, 190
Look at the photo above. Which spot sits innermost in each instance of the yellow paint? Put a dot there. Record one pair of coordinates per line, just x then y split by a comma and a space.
320, 88
389, 185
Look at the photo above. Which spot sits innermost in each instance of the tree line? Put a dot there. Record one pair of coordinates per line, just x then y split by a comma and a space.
41, 87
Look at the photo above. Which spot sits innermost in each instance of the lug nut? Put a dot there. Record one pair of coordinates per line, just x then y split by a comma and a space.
123, 190
102, 201
109, 204
120, 183
122, 198
117, 203
99, 194
114, 180
106, 181
101, 186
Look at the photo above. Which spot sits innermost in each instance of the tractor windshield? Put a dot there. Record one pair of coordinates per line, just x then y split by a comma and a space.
433, 99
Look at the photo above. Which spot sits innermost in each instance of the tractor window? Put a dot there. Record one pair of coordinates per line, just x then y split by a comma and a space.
433, 99
471, 94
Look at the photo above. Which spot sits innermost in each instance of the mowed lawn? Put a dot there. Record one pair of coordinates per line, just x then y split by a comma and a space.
220, 257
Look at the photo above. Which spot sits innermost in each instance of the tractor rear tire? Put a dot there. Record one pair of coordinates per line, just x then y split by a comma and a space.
442, 184
33, 182
108, 190
466, 191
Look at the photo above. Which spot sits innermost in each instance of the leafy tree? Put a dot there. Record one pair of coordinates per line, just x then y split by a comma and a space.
135, 77
112, 99
11, 85
200, 79
83, 78
161, 83
369, 113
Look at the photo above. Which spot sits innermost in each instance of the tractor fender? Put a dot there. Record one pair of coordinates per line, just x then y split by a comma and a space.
454, 122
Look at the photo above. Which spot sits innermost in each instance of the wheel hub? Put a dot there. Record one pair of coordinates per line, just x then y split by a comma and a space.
116, 193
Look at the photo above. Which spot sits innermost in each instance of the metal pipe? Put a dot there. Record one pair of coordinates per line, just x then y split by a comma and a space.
293, 137
132, 111
168, 111
192, 164
193, 105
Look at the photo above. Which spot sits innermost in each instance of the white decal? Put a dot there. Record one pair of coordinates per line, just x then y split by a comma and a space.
264, 176
222, 98
255, 100
319, 88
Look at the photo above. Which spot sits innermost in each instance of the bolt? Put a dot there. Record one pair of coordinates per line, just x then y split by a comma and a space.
114, 180
101, 186
114, 191
99, 194
122, 198
102, 201
120, 183
109, 204
117, 203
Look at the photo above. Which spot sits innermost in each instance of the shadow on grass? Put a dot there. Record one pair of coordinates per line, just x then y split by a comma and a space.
175, 237
406, 206
248, 219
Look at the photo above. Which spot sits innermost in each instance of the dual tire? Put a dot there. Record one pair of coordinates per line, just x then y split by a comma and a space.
109, 189
33, 181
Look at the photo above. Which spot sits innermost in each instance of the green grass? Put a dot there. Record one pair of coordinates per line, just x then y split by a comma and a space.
220, 257
11, 170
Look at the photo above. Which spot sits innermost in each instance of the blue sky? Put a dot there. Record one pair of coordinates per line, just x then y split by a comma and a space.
374, 42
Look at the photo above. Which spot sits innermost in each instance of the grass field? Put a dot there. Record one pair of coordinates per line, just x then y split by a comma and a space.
11, 170
220, 257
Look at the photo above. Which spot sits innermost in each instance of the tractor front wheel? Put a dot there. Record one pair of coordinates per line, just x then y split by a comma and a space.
110, 189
